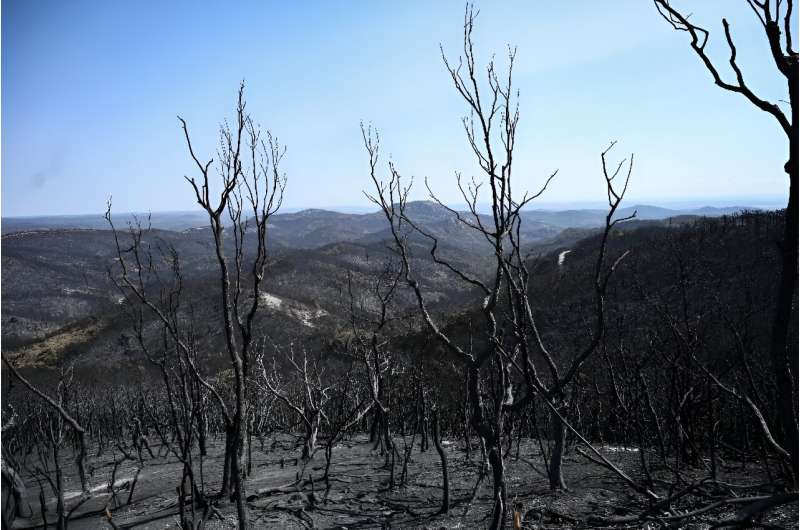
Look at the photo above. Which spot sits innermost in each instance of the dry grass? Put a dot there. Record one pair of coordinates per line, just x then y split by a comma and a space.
47, 352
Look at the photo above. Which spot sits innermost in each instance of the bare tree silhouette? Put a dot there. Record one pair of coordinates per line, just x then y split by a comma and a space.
776, 20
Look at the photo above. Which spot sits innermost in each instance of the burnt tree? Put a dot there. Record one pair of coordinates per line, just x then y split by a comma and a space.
251, 192
500, 361
777, 26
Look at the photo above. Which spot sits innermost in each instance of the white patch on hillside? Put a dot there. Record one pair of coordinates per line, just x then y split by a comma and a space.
272, 301
306, 315
562, 256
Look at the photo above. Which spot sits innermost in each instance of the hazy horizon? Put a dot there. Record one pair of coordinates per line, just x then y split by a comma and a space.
90, 105
768, 203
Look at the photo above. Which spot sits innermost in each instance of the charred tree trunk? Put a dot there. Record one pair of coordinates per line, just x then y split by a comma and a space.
202, 432
489, 432
498, 519
241, 495
465, 410
61, 522
784, 362
559, 434
374, 429
422, 418
437, 441
80, 458
226, 466
311, 431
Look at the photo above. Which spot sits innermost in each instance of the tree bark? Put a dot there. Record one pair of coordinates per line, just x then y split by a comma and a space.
784, 362
499, 486
226, 465
312, 429
437, 441
241, 495
555, 472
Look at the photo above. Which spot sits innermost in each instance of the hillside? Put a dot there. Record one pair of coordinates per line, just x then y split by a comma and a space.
59, 301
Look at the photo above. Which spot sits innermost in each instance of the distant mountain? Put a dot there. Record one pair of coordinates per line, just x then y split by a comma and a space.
58, 301
648, 212
316, 228
593, 218
313, 228
175, 221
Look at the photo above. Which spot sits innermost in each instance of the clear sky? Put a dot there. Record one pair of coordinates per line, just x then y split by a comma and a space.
91, 90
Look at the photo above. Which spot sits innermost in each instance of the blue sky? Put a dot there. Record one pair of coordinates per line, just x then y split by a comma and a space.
91, 90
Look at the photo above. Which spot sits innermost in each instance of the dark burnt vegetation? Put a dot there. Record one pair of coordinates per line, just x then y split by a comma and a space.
686, 338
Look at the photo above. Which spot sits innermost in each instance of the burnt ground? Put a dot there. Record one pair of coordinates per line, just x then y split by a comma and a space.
358, 496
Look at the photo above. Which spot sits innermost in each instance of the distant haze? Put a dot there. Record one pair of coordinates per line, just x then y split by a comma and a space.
764, 203
547, 220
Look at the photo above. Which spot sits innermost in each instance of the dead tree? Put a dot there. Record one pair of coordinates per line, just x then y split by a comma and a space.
777, 25
529, 337
370, 319
502, 356
185, 398
437, 443
13, 487
51, 429
310, 398
58, 406
348, 412
487, 419
252, 191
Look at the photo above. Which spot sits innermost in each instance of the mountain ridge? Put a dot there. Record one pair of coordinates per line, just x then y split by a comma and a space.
361, 223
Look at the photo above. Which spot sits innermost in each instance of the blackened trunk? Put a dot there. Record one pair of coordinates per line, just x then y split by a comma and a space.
310, 441
559, 434
437, 441
784, 362
226, 466
373, 430
241, 494
202, 433
61, 522
80, 460
489, 429
423, 422
250, 447
499, 486
467, 442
